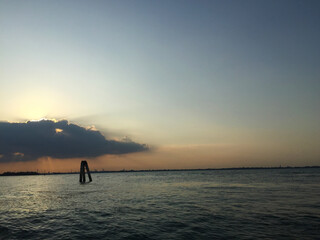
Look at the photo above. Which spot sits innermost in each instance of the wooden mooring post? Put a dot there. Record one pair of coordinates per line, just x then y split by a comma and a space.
83, 166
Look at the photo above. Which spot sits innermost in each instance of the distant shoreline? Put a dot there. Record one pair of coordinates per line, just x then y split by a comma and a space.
30, 173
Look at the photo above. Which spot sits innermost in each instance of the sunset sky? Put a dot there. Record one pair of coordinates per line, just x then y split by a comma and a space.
203, 84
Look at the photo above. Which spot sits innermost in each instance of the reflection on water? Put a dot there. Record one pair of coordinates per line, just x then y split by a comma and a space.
239, 204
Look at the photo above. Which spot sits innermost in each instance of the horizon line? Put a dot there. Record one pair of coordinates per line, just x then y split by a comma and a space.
26, 173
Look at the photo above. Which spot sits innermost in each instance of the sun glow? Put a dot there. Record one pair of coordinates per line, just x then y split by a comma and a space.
34, 108
33, 112
37, 104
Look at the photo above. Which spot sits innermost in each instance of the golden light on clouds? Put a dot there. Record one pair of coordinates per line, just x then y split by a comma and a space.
58, 130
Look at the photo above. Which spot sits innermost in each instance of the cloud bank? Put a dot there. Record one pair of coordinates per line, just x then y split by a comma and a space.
46, 138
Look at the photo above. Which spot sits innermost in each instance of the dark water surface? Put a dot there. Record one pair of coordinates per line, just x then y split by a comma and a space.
221, 204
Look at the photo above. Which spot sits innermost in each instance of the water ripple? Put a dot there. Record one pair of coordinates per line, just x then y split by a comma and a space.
246, 204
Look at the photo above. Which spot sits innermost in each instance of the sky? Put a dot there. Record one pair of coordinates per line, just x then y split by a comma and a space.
171, 84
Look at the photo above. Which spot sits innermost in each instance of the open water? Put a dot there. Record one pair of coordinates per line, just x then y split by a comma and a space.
219, 204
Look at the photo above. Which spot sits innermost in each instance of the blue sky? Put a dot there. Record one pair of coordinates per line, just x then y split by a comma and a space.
170, 74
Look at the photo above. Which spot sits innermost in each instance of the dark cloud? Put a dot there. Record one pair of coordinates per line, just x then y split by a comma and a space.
47, 138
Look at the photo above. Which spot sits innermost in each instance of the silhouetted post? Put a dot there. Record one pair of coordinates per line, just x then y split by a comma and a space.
81, 172
88, 171
83, 166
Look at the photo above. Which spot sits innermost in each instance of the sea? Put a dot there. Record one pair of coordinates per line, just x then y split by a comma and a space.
202, 204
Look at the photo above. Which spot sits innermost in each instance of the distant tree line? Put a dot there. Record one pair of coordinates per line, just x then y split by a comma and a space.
18, 173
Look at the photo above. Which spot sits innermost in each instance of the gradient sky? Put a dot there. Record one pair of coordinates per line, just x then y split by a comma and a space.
203, 83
